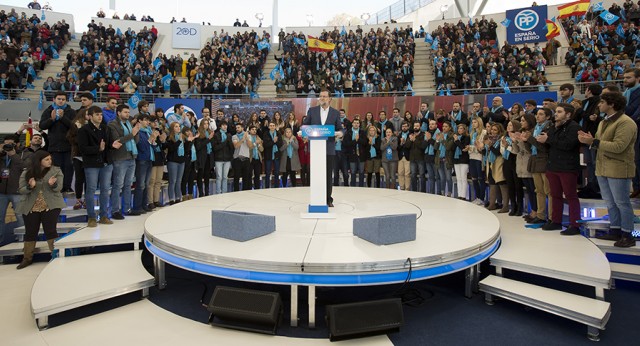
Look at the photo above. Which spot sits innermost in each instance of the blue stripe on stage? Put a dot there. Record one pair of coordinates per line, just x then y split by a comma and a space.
318, 208
320, 279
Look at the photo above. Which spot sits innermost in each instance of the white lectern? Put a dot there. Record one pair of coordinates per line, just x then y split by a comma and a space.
317, 135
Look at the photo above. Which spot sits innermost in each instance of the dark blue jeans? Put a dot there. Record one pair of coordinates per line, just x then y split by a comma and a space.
477, 176
268, 166
143, 175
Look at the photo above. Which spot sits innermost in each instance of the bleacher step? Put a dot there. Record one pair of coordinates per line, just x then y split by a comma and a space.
591, 312
606, 246
16, 249
625, 271
62, 228
71, 282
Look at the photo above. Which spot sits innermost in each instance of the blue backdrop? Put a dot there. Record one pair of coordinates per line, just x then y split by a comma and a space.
509, 99
194, 105
528, 25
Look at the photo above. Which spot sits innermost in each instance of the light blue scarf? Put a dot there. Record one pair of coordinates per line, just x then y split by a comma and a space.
372, 152
442, 149
275, 147
290, 149
130, 144
181, 146
507, 153
209, 147
458, 151
256, 156
148, 131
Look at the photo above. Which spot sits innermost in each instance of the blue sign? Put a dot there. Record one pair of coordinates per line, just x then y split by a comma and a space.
527, 25
318, 131
190, 105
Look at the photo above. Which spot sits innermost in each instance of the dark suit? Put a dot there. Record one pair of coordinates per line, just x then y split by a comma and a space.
333, 118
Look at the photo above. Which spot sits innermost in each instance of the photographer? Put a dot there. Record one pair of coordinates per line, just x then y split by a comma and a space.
10, 168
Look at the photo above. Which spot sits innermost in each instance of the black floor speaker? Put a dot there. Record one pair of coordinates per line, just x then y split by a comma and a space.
243, 309
354, 320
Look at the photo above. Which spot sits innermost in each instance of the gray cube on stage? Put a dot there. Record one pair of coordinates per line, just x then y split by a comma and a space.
241, 226
387, 229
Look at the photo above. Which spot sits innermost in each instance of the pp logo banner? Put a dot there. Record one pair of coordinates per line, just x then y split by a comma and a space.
318, 131
529, 25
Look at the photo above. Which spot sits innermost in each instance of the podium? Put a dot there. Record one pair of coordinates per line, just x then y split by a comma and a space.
318, 135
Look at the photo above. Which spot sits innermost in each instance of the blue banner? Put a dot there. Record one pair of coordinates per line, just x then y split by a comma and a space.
318, 131
166, 81
134, 100
527, 25
508, 99
609, 17
190, 105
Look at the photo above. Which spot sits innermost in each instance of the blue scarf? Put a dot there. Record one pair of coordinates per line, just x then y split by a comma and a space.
491, 157
405, 135
458, 151
148, 131
536, 132
256, 156
274, 150
209, 147
430, 149
354, 133
382, 123
474, 136
290, 149
223, 135
627, 93
372, 152
456, 118
55, 107
131, 144
193, 153
442, 149
181, 146
507, 153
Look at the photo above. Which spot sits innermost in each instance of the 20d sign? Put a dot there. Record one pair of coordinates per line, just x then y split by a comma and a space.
186, 35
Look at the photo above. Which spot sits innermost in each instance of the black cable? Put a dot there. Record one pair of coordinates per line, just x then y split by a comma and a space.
411, 296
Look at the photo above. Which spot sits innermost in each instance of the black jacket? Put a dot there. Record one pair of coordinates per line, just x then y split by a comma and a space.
172, 151
9, 185
349, 146
57, 130
222, 151
201, 151
267, 144
462, 143
564, 148
88, 138
404, 150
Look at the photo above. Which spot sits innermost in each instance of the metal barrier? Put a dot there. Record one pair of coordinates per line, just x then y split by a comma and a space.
399, 9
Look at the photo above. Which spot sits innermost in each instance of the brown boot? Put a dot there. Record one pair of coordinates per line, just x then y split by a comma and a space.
493, 195
29, 247
504, 191
50, 243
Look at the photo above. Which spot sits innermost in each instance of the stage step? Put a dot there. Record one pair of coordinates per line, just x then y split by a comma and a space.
68, 283
16, 249
62, 228
625, 271
606, 246
591, 312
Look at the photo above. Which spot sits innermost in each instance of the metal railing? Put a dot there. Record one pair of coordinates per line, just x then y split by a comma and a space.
398, 9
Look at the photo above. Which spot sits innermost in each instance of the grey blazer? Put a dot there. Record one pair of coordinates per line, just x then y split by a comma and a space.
52, 194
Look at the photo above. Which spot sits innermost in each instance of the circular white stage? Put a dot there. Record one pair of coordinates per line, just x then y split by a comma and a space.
452, 235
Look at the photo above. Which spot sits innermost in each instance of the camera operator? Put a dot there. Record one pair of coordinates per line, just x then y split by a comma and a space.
11, 166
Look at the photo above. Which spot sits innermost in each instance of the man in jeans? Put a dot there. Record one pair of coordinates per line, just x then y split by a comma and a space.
615, 166
94, 143
124, 160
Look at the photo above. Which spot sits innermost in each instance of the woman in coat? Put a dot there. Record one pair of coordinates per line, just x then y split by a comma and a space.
204, 150
289, 160
42, 201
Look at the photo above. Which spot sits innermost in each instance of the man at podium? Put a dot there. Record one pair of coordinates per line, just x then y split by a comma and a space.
324, 114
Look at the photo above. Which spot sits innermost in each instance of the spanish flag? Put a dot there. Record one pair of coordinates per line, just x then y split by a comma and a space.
316, 45
29, 131
552, 29
576, 8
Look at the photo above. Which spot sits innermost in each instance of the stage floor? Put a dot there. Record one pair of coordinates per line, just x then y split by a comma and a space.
452, 235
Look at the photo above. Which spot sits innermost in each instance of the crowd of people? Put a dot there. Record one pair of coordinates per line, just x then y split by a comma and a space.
467, 60
27, 44
145, 18
373, 63
599, 50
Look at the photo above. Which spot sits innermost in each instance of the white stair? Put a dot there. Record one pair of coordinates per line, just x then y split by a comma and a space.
591, 312
16, 248
62, 228
606, 246
68, 283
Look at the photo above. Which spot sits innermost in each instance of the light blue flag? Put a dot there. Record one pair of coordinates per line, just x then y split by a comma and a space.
623, 14
598, 7
435, 43
620, 31
157, 63
118, 32
134, 99
132, 45
276, 69
263, 45
41, 100
132, 58
54, 53
94, 92
470, 22
506, 22
31, 71
609, 17
166, 81
428, 38
343, 32
85, 51
601, 39
477, 36
43, 17
298, 40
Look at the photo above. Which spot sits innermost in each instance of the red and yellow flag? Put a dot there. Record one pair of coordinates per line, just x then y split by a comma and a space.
576, 8
552, 29
316, 45
29, 131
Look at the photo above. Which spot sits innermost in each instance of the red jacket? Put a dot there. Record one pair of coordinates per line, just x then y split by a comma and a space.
303, 151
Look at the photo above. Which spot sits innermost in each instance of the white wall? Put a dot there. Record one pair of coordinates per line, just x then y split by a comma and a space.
164, 42
50, 17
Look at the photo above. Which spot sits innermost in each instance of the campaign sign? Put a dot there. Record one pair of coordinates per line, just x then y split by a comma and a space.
186, 35
528, 25
318, 131
190, 105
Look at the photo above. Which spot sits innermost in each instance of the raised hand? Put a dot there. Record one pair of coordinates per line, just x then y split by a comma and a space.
52, 180
116, 144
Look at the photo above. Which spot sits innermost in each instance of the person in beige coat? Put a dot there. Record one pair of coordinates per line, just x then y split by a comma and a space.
289, 159
41, 202
615, 166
